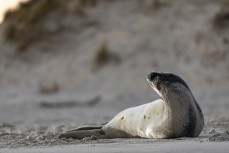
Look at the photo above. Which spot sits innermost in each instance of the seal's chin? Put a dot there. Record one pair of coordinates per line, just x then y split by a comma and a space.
156, 90
154, 87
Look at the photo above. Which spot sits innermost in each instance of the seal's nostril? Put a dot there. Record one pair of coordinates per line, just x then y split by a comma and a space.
151, 76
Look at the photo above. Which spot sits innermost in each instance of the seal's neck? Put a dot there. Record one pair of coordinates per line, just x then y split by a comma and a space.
178, 105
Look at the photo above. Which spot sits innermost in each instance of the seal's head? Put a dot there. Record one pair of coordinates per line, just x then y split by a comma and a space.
175, 92
164, 83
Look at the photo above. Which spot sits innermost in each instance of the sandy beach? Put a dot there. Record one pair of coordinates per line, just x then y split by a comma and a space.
82, 63
129, 146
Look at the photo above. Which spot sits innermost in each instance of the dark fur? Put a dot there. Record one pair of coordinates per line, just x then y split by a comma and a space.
166, 78
163, 80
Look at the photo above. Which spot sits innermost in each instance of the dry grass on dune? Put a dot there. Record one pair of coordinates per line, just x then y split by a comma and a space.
27, 24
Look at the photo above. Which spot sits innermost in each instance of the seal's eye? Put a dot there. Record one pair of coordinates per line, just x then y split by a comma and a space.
152, 76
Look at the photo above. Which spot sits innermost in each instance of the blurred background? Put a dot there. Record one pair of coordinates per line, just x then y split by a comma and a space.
78, 62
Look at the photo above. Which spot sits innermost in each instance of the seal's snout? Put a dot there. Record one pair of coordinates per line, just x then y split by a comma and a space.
151, 76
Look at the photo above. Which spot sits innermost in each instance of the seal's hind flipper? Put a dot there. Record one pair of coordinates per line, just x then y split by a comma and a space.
86, 128
83, 132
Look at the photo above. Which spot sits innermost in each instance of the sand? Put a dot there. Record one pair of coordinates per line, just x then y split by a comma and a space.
50, 88
133, 145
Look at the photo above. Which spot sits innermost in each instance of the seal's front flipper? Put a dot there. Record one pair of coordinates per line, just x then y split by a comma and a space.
84, 132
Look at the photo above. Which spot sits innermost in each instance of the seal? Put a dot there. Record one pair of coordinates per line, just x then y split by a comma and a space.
175, 114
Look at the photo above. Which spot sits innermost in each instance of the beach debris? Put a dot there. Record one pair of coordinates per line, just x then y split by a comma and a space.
69, 104
220, 137
104, 56
49, 88
221, 18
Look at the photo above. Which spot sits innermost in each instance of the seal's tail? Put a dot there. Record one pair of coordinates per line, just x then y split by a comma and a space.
82, 132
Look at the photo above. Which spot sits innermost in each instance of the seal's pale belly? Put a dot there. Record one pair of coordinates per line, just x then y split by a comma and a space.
140, 121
